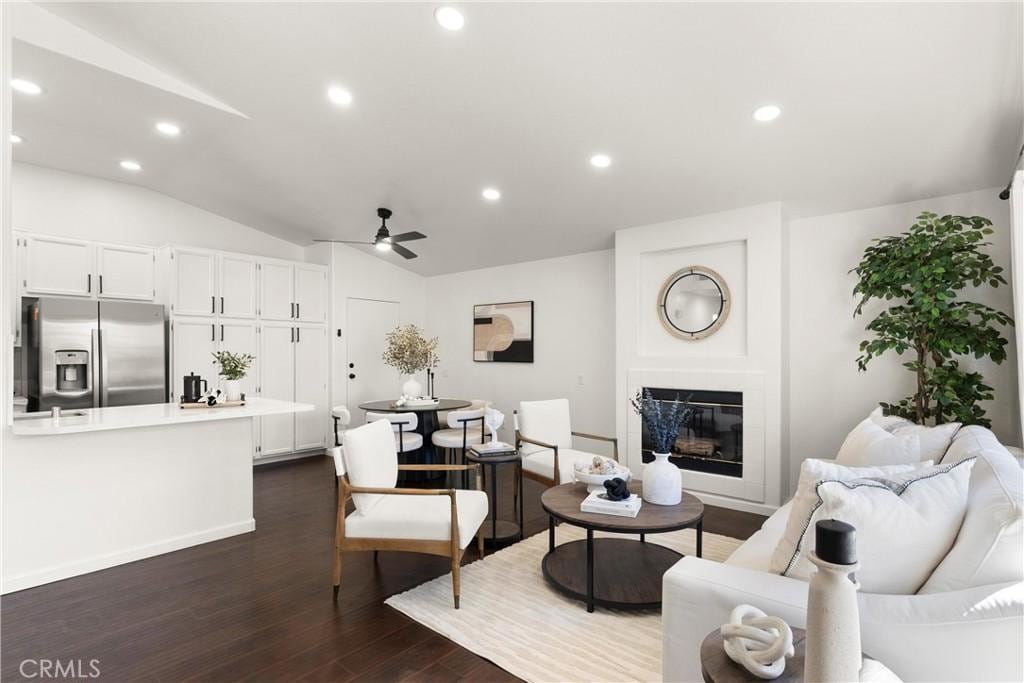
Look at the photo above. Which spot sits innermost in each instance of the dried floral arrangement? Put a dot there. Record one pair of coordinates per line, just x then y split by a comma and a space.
408, 351
664, 419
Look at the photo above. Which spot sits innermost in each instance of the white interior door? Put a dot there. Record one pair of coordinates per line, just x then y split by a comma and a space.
310, 294
277, 291
237, 287
311, 386
277, 380
239, 336
367, 377
195, 282
55, 265
193, 341
126, 272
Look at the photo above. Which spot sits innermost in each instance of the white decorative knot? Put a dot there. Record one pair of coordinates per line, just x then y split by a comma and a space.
757, 642
493, 419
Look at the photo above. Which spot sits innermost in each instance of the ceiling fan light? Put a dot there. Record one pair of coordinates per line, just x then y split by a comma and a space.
383, 245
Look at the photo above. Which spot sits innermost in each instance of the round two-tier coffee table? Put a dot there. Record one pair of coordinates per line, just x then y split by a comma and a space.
620, 573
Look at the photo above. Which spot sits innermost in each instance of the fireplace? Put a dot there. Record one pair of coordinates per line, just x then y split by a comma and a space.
713, 440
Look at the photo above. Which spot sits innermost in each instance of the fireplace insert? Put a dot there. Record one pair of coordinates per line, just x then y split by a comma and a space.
713, 440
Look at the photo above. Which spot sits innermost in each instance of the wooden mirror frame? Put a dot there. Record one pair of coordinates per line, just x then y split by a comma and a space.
722, 315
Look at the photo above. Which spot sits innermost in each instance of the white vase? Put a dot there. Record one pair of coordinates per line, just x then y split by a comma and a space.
412, 387
833, 652
232, 390
662, 482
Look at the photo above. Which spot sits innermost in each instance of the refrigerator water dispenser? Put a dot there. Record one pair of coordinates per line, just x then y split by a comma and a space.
72, 370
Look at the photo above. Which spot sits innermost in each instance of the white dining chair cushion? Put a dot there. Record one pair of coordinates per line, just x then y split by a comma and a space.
546, 421
408, 441
452, 438
455, 418
408, 421
371, 460
543, 463
421, 518
344, 417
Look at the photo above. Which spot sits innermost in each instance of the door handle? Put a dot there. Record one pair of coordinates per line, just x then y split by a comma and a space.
222, 332
298, 334
213, 332
101, 283
351, 375
213, 304
222, 304
298, 310
88, 283
94, 363
104, 382
292, 330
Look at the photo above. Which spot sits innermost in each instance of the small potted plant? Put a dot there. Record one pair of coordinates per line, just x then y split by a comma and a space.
409, 352
662, 481
233, 367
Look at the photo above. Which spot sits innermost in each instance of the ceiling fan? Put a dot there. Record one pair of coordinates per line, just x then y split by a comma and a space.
384, 240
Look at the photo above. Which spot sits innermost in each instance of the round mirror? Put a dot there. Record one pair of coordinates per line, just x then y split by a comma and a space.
694, 302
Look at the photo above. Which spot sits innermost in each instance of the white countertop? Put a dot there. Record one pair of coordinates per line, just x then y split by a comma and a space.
128, 417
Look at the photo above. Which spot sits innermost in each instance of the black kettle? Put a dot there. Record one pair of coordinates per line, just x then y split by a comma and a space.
195, 388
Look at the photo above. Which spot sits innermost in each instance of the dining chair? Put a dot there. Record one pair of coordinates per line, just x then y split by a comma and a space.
544, 440
431, 521
404, 425
464, 427
342, 418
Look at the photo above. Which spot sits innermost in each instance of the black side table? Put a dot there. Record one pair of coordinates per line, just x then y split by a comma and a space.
499, 531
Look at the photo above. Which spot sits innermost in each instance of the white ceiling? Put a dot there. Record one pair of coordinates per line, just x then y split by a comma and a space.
881, 103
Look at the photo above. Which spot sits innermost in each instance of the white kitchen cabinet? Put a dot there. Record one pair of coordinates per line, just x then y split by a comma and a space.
195, 282
57, 265
238, 337
193, 342
125, 272
277, 291
310, 294
237, 281
277, 380
311, 386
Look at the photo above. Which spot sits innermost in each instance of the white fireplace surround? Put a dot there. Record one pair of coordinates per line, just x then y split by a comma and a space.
750, 486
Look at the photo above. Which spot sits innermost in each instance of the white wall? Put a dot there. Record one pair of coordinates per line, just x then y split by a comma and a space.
828, 394
574, 337
51, 202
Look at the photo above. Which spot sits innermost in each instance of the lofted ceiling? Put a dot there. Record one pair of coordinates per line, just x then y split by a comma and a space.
881, 103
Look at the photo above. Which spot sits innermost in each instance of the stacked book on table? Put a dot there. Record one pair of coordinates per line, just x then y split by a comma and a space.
492, 448
599, 503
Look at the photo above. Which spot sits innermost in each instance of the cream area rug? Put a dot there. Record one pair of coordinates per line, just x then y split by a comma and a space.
511, 616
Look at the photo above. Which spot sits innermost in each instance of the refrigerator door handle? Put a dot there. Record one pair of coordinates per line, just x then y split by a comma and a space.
104, 389
94, 344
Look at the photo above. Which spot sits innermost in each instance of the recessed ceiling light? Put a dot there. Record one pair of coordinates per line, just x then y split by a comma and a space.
339, 96
130, 165
768, 112
169, 129
26, 87
15, 139
491, 194
601, 161
449, 18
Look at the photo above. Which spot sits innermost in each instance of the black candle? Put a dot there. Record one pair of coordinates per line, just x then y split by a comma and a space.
835, 542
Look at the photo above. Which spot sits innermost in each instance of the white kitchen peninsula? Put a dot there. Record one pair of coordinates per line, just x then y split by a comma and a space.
105, 486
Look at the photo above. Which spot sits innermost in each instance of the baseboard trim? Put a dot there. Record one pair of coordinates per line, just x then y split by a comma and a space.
735, 503
66, 571
284, 457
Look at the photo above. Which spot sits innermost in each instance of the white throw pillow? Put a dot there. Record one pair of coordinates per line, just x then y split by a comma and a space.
804, 502
869, 445
971, 440
990, 546
906, 523
934, 440
887, 422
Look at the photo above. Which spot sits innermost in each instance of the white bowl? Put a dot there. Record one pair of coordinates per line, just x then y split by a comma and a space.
595, 482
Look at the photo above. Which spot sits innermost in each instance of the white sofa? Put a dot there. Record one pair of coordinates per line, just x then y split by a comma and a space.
973, 634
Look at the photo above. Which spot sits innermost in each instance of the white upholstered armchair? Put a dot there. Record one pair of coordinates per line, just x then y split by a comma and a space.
431, 521
544, 439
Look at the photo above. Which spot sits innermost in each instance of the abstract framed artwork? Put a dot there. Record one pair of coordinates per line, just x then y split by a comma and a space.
503, 333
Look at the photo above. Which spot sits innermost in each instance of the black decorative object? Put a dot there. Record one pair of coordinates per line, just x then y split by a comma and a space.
616, 489
835, 542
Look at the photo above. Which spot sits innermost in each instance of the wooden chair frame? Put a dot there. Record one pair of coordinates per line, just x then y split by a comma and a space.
547, 481
444, 548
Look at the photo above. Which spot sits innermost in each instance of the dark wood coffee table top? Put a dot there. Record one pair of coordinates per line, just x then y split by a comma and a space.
563, 502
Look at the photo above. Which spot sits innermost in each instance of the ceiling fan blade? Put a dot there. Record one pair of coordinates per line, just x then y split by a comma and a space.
402, 251
343, 242
408, 236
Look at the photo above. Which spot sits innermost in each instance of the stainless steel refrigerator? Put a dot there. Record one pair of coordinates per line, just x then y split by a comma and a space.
89, 354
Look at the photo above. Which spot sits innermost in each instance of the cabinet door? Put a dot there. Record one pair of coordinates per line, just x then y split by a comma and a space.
277, 380
55, 265
277, 291
195, 282
125, 272
311, 294
311, 386
193, 341
239, 336
237, 287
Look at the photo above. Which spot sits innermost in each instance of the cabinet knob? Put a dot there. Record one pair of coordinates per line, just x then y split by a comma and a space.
351, 365
351, 375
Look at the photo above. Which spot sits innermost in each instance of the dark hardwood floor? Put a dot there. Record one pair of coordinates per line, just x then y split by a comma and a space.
258, 607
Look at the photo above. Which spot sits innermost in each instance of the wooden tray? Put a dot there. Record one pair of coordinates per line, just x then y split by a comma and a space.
202, 405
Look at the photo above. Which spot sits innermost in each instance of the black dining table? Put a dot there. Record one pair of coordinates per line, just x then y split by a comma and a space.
426, 424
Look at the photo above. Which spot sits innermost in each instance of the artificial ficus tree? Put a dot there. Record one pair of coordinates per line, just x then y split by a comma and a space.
924, 272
